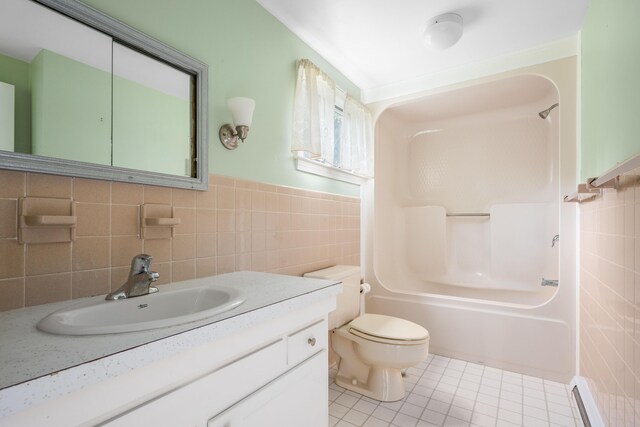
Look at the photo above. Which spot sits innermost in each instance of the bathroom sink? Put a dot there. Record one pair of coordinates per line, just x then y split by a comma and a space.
162, 309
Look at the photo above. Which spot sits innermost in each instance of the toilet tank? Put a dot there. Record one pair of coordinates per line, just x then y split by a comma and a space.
348, 302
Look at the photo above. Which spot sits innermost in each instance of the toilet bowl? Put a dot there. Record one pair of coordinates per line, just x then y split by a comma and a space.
373, 349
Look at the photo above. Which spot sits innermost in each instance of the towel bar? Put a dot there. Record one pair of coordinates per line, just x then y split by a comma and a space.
610, 179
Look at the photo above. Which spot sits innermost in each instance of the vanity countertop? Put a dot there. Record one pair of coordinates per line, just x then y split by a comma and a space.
36, 366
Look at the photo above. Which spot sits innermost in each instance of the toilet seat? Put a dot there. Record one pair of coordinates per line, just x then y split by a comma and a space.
389, 330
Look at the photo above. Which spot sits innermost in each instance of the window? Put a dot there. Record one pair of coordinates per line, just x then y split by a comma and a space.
332, 132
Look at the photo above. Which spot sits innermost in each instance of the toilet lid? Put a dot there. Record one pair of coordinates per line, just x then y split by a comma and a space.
388, 327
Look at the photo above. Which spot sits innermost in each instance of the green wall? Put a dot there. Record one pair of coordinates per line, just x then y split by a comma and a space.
610, 85
70, 109
150, 129
16, 72
249, 53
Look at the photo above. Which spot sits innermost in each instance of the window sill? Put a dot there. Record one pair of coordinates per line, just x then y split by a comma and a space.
327, 171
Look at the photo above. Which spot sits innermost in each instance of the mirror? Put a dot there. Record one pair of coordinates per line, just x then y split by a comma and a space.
152, 126
82, 94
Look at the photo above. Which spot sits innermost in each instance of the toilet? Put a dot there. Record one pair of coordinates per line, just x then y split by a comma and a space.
373, 349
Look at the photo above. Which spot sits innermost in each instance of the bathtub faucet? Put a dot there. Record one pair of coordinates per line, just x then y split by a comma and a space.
555, 240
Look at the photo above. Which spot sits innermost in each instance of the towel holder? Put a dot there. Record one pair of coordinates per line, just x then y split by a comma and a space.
610, 179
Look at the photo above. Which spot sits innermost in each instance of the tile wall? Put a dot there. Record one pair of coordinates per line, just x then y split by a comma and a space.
610, 301
236, 225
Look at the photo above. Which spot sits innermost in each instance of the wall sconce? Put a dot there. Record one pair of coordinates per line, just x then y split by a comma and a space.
241, 114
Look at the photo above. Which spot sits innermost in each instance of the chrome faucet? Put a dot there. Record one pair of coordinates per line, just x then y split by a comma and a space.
555, 240
140, 279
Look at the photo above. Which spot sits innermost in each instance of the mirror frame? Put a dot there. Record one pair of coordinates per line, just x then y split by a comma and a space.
137, 40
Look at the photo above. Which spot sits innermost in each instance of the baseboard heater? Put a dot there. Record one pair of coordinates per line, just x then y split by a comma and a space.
581, 408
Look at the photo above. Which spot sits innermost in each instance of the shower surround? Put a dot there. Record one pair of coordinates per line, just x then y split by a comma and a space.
466, 207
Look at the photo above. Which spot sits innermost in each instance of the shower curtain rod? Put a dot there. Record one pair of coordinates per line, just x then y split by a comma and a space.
468, 214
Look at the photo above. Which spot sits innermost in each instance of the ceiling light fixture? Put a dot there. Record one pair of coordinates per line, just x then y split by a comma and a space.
443, 31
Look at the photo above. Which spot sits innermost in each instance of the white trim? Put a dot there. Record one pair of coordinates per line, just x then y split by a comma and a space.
328, 171
588, 401
578, 173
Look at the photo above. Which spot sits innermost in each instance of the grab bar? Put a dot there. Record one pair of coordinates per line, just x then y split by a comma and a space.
468, 214
546, 282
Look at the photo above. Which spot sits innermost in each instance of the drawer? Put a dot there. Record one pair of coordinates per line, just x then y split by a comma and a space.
211, 394
306, 342
297, 398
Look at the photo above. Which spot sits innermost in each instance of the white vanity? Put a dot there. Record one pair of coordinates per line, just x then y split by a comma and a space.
263, 363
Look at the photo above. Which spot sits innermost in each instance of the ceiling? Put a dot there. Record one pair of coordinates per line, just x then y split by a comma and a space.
379, 43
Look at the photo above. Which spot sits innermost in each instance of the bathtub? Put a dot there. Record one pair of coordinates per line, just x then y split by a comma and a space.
460, 220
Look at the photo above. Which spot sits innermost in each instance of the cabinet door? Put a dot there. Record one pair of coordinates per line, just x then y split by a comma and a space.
297, 398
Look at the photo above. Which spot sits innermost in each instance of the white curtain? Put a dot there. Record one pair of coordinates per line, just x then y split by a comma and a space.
313, 113
356, 139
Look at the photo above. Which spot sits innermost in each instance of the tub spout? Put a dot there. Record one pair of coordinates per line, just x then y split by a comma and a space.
547, 282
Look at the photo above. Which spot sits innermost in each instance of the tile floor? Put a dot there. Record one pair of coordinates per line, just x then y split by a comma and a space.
449, 392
